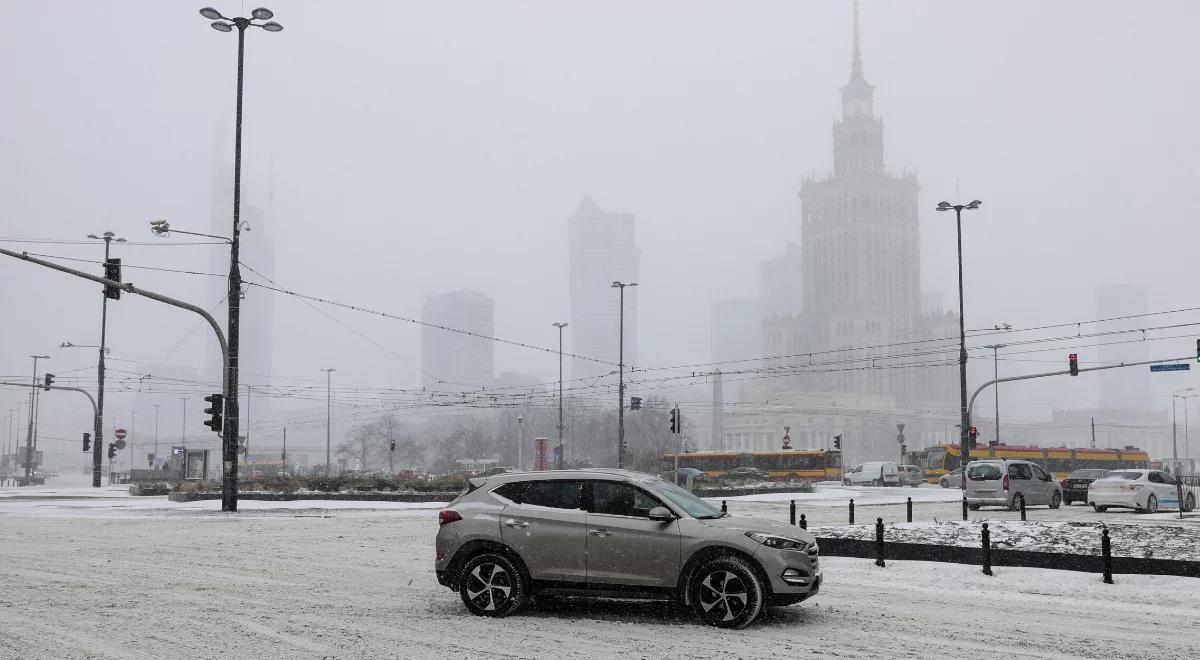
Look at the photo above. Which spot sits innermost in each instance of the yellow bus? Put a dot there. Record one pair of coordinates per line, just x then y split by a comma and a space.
794, 465
1059, 461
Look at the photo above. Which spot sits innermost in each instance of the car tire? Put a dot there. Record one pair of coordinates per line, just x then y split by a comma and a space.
1055, 500
725, 592
944, 483
1015, 504
877, 483
1098, 508
1151, 505
845, 482
1189, 502
491, 584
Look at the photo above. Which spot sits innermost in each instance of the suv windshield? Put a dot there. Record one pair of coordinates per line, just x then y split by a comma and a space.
694, 506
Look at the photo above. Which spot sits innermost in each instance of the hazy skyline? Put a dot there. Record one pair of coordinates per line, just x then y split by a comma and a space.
408, 149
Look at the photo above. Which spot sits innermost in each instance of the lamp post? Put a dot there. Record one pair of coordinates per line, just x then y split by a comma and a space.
32, 414
229, 453
108, 237
328, 423
561, 453
962, 332
621, 376
1174, 433
996, 374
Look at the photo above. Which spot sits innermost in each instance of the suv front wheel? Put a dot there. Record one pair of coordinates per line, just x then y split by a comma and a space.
491, 585
725, 592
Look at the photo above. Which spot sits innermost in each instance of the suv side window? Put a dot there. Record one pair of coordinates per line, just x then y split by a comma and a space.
1019, 471
1040, 473
1160, 478
553, 493
621, 499
512, 491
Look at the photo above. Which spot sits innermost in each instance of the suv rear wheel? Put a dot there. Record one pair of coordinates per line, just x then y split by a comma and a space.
492, 585
726, 592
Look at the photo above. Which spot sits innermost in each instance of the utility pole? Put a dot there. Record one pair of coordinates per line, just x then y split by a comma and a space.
520, 440
561, 455
32, 414
328, 418
97, 457
962, 333
996, 374
283, 454
156, 458
248, 424
621, 376
132, 437
1093, 433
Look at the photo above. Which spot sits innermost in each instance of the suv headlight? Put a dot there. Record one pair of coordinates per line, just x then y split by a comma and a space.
778, 542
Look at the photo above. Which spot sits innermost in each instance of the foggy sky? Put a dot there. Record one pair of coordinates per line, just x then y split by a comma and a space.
402, 150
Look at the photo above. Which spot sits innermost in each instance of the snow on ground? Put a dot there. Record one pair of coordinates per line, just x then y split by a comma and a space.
167, 580
833, 494
1143, 540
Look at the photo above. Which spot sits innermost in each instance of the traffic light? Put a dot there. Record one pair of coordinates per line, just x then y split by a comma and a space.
49, 382
635, 403
392, 445
112, 271
675, 421
217, 402
1198, 350
837, 442
87, 441
1073, 363
972, 436
903, 449
112, 451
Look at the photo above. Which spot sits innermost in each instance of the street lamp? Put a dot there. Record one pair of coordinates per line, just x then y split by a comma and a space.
328, 399
97, 457
1174, 433
996, 375
621, 377
561, 455
962, 332
229, 447
67, 344
162, 229
32, 416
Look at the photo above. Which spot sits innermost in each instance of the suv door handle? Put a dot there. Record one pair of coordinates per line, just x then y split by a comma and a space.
513, 522
599, 532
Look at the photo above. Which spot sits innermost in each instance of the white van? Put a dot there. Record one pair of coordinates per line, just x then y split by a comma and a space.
874, 473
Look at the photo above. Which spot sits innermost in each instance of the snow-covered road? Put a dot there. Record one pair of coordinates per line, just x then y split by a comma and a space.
81, 579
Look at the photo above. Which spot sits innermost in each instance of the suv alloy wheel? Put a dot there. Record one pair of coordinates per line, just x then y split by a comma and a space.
491, 585
726, 592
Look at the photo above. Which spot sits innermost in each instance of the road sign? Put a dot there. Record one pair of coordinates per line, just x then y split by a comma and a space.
120, 434
177, 451
1182, 366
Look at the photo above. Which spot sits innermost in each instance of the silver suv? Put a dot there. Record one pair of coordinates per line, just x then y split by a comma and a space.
616, 533
1009, 483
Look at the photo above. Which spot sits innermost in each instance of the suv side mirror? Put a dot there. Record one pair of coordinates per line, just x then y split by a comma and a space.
661, 514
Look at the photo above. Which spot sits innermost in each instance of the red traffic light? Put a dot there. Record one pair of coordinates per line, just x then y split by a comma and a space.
1073, 364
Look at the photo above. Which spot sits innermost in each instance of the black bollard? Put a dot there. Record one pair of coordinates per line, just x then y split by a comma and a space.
910, 509
1106, 550
803, 522
879, 542
1022, 509
792, 513
964, 507
724, 509
987, 550
851, 510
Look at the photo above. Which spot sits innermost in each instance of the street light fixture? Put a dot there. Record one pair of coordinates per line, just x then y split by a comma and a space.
162, 229
621, 377
229, 446
98, 426
67, 344
561, 458
962, 333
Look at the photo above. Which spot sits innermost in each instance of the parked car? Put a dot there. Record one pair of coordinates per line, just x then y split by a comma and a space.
911, 475
875, 473
951, 479
746, 474
1008, 483
616, 533
1142, 490
1075, 486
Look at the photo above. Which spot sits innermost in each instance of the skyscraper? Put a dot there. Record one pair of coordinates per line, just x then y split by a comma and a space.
601, 250
454, 361
1123, 389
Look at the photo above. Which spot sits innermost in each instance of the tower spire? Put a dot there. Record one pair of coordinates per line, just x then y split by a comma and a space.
856, 52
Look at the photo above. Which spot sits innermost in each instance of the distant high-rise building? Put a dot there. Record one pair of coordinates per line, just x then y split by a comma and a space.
1122, 389
779, 283
454, 361
736, 338
601, 250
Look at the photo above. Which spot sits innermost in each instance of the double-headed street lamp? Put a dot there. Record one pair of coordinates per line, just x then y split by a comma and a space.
621, 377
964, 430
229, 446
561, 458
97, 457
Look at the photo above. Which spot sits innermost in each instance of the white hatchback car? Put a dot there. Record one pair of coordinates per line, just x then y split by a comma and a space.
1143, 490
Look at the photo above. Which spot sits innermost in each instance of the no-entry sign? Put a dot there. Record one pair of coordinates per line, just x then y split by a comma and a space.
120, 434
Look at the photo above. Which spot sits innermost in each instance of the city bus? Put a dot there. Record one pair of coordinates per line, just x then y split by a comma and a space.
1059, 461
792, 465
